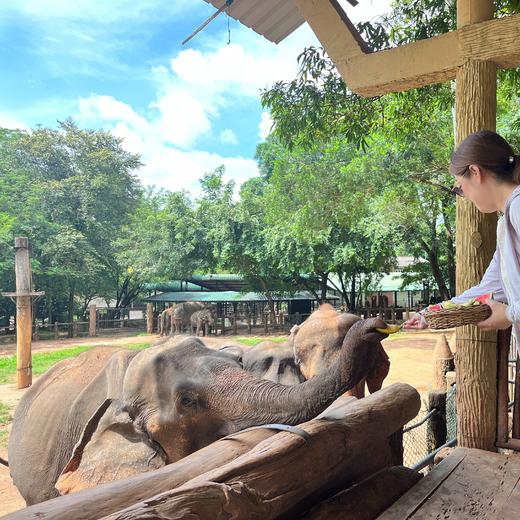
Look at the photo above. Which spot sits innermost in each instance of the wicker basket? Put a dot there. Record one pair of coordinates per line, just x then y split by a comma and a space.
456, 317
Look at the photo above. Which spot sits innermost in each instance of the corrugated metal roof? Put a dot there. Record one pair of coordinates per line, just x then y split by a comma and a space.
273, 19
173, 285
228, 296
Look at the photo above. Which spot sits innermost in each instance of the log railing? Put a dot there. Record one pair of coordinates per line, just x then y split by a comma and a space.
508, 378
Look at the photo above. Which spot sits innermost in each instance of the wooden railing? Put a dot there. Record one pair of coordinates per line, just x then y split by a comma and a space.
508, 392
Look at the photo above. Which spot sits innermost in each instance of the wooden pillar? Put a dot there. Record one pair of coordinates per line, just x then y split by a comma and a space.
149, 318
475, 103
23, 313
92, 321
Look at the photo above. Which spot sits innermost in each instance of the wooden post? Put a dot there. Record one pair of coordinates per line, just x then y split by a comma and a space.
249, 323
442, 363
235, 325
23, 313
75, 329
476, 240
92, 321
149, 318
436, 431
56, 330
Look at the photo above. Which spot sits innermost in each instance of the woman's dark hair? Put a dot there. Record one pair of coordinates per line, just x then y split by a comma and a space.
490, 151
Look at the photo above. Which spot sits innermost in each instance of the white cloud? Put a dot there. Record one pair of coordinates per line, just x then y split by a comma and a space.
165, 165
264, 128
227, 136
13, 123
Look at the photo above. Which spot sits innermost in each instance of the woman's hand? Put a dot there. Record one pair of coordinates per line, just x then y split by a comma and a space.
498, 319
417, 321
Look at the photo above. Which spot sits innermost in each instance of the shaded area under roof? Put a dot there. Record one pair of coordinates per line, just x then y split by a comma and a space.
229, 296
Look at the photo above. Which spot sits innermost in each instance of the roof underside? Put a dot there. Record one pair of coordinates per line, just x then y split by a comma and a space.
273, 19
228, 296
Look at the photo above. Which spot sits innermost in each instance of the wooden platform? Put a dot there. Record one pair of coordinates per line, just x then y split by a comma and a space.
468, 484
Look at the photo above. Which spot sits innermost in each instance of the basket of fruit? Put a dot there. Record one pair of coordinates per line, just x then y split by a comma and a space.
447, 314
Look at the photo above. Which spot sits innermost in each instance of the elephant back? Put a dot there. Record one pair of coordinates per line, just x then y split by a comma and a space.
56, 408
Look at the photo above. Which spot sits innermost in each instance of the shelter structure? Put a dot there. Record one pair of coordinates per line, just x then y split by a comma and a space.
471, 55
229, 293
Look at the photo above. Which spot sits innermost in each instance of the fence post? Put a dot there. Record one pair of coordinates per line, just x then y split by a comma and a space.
436, 430
392, 314
56, 331
36, 334
74, 329
407, 313
223, 329
249, 323
149, 318
92, 321
235, 325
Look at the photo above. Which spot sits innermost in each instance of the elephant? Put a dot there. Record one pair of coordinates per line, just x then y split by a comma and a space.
182, 313
204, 320
165, 321
317, 344
269, 360
107, 415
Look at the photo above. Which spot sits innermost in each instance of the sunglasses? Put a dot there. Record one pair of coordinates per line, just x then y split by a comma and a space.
457, 190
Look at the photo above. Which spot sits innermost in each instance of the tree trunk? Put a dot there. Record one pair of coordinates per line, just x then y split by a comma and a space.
324, 278
450, 251
476, 241
353, 291
436, 269
70, 310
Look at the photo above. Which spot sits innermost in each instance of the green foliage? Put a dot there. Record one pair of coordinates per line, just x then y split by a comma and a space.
69, 191
5, 414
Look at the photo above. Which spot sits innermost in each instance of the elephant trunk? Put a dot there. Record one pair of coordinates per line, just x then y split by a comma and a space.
269, 402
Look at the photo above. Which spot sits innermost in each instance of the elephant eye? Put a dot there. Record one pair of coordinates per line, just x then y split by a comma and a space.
187, 401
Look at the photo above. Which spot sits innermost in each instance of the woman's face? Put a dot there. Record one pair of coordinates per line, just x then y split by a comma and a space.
476, 186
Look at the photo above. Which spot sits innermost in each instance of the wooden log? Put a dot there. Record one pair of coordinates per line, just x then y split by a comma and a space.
23, 313
368, 499
92, 320
286, 474
442, 362
105, 499
149, 318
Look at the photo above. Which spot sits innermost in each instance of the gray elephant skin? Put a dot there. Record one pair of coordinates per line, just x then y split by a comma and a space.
202, 320
108, 415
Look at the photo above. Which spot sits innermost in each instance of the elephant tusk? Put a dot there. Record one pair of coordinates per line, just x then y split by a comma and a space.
390, 329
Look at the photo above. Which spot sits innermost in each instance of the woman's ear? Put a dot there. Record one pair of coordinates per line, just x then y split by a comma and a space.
110, 448
477, 173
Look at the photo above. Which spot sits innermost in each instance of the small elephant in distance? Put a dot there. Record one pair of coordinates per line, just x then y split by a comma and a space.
202, 320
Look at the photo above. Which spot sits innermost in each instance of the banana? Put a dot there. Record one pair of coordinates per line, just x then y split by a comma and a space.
390, 329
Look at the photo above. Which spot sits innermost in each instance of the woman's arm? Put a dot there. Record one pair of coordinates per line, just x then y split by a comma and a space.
491, 283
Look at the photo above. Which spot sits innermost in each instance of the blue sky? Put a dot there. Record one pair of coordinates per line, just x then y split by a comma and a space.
119, 65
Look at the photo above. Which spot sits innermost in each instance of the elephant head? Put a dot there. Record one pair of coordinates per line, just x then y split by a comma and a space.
318, 341
177, 399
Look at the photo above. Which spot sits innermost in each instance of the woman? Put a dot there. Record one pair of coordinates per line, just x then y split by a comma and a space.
487, 172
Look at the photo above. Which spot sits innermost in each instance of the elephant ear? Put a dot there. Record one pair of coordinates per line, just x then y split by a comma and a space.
379, 371
110, 448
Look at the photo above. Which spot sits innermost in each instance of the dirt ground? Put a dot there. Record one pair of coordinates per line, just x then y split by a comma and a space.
410, 356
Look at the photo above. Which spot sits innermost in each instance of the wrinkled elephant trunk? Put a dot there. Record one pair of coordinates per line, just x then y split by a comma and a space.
269, 402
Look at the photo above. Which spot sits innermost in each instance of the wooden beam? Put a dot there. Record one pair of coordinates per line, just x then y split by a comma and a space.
332, 27
416, 64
